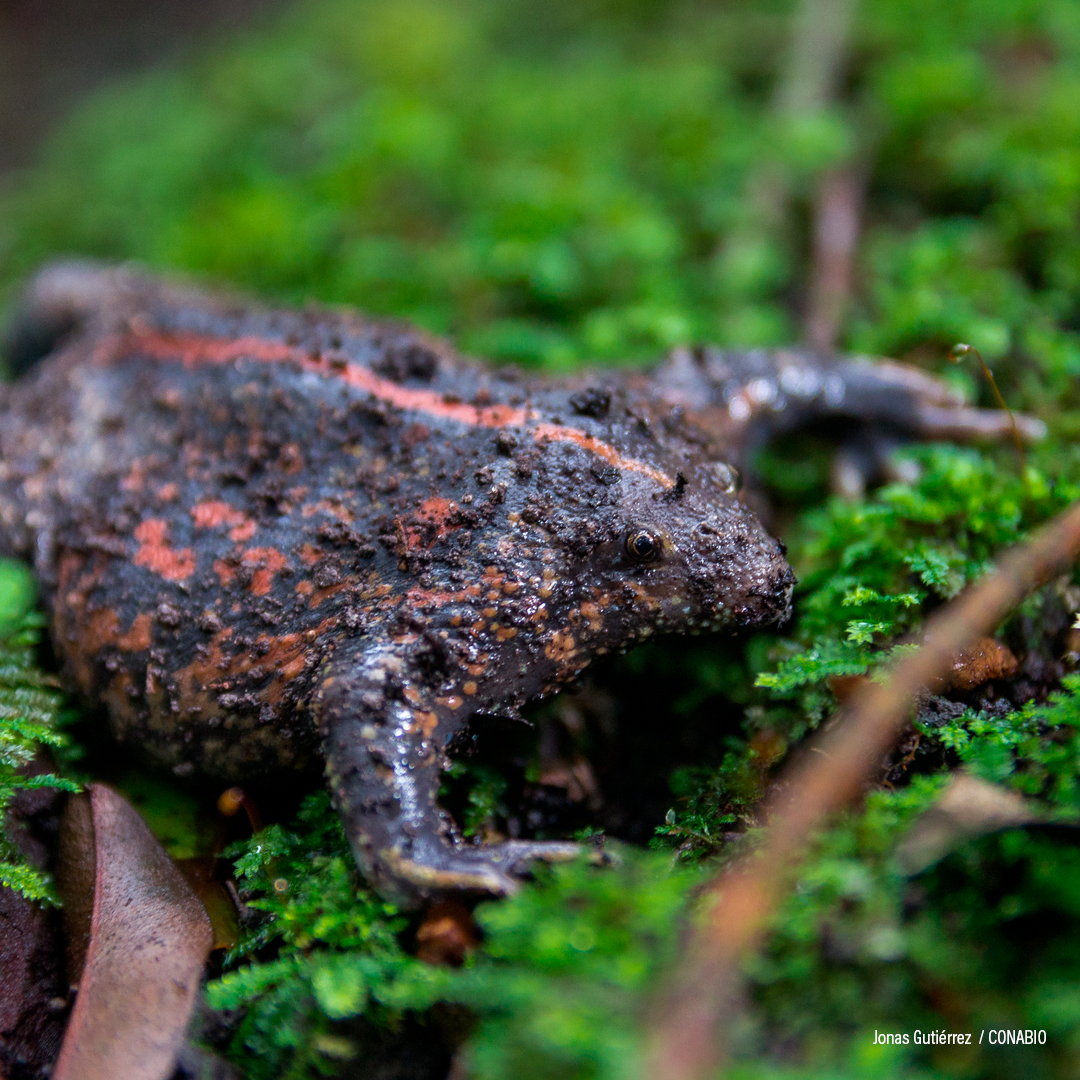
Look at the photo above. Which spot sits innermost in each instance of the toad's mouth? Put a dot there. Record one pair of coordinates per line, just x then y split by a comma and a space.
767, 604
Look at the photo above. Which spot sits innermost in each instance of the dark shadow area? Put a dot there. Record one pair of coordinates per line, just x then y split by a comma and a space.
52, 52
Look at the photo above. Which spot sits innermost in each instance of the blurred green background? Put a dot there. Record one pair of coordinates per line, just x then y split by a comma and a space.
600, 181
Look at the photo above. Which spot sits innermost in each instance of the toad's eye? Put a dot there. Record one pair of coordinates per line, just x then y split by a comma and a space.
644, 546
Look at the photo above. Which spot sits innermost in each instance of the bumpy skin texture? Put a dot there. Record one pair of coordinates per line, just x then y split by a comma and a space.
263, 535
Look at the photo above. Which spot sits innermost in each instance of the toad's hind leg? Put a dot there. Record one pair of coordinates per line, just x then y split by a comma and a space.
383, 737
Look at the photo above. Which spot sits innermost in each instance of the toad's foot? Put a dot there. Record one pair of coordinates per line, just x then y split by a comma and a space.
742, 399
494, 869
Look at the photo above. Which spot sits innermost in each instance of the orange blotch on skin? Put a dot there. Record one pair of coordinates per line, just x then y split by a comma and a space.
310, 555
437, 510
290, 459
334, 508
284, 658
269, 562
319, 595
224, 571
214, 512
561, 647
155, 553
102, 626
243, 533
168, 492
135, 478
591, 612
137, 639
428, 721
431, 522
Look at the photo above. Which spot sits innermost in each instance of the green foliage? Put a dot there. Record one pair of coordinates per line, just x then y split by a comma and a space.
483, 796
581, 182
182, 821
985, 939
557, 990
30, 715
563, 978
715, 804
872, 570
1036, 750
337, 950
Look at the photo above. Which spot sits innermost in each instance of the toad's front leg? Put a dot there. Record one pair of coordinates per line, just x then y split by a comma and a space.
384, 735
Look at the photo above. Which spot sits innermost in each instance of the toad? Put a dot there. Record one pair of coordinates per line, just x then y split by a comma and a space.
266, 536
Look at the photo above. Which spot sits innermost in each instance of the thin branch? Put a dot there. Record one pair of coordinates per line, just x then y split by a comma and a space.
819, 44
689, 1039
818, 59
813, 69
837, 218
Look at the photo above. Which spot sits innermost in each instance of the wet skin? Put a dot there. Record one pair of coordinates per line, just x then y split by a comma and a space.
269, 535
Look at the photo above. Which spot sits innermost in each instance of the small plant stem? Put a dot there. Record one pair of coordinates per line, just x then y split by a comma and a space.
956, 353
236, 798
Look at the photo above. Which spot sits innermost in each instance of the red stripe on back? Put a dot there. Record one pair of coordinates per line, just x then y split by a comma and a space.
194, 349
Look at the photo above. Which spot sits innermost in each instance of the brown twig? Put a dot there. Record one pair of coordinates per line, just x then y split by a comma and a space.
837, 214
689, 1039
807, 83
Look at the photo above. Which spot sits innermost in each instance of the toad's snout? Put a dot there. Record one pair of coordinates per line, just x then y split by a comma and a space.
739, 572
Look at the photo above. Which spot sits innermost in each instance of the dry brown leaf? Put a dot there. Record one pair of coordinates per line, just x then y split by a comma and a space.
966, 809
138, 939
199, 872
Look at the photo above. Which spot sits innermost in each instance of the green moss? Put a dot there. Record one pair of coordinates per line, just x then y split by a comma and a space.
871, 571
566, 968
30, 721
336, 950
